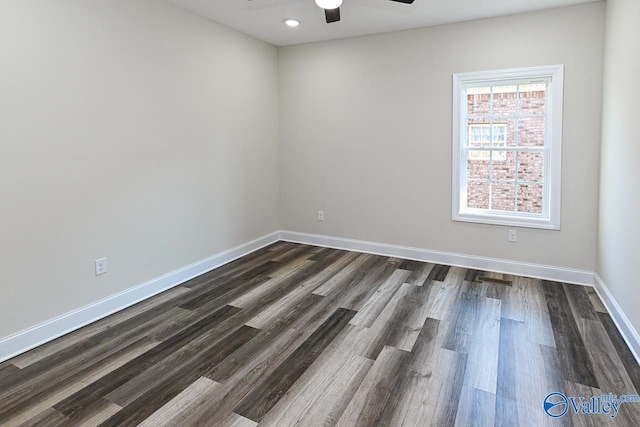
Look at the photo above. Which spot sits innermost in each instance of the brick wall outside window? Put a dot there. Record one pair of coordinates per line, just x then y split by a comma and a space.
530, 132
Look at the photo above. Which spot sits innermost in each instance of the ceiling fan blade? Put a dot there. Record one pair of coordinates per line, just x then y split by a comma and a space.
332, 15
404, 1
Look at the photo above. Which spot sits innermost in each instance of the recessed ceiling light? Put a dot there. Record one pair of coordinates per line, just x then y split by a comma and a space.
329, 4
292, 22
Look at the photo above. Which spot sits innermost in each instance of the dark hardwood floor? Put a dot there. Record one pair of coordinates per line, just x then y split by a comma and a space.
301, 335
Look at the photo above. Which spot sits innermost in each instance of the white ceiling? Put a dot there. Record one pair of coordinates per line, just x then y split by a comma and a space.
264, 19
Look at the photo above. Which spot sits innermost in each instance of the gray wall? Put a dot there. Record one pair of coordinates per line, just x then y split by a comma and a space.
141, 132
132, 130
619, 231
366, 133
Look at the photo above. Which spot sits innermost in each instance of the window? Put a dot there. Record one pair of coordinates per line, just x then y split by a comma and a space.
507, 136
482, 135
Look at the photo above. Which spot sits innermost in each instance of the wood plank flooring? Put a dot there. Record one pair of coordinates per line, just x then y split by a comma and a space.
301, 335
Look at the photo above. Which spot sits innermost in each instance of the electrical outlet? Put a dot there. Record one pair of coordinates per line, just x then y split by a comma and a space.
101, 266
320, 215
513, 235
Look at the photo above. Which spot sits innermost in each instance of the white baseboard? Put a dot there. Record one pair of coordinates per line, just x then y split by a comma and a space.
558, 274
628, 332
37, 335
20, 342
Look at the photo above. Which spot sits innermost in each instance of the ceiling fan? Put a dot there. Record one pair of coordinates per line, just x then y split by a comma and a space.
332, 8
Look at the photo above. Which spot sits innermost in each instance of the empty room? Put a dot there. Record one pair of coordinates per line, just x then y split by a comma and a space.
319, 213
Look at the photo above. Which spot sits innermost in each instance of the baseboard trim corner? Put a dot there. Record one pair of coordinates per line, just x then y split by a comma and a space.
628, 332
27, 339
558, 274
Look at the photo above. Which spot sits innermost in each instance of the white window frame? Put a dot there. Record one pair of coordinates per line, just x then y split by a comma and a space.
550, 216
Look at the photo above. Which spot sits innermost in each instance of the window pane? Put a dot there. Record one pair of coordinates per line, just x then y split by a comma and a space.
530, 166
478, 195
478, 136
530, 197
478, 133
478, 101
482, 134
533, 99
503, 196
477, 169
504, 100
504, 165
499, 134
531, 132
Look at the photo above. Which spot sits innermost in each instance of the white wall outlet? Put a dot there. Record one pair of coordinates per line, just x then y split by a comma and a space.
101, 266
320, 215
513, 235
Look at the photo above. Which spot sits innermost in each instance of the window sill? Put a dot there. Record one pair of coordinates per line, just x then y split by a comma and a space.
508, 220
